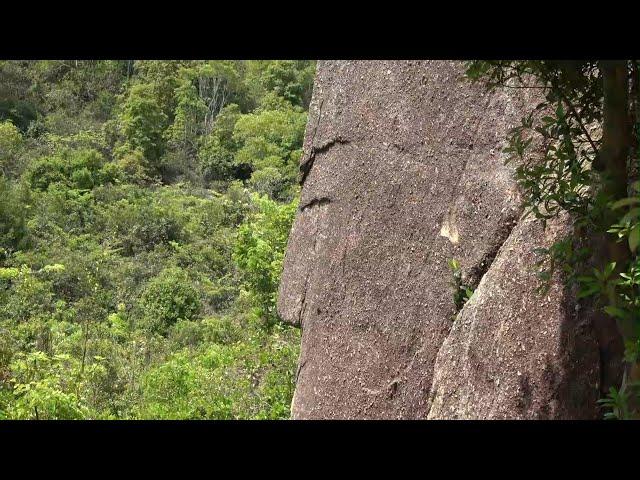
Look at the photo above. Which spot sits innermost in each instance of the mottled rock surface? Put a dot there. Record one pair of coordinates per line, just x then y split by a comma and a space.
402, 171
514, 353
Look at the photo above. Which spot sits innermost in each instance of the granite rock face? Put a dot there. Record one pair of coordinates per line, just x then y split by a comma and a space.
516, 353
402, 171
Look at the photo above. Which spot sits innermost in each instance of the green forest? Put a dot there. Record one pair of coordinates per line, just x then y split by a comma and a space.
145, 212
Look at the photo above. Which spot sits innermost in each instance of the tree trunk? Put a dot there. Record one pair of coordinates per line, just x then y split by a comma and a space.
615, 127
616, 142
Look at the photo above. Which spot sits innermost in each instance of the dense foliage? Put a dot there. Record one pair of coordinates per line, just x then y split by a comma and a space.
144, 211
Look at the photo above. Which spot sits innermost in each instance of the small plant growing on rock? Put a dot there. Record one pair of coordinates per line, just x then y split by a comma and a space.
462, 293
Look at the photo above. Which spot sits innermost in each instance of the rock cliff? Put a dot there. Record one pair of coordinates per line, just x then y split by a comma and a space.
403, 170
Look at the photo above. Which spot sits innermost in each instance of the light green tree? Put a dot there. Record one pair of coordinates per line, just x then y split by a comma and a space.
11, 142
259, 252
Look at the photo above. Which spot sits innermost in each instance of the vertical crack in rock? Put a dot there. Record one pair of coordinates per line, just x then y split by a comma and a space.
476, 275
478, 271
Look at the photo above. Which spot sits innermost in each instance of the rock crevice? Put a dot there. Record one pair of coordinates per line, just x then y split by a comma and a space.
313, 202
513, 353
307, 164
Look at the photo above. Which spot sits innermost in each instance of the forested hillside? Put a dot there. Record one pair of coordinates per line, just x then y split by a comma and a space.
144, 212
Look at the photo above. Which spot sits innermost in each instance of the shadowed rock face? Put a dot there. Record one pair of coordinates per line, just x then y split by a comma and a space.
402, 171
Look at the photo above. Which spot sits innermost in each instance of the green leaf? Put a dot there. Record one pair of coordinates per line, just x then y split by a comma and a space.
585, 279
631, 214
609, 269
616, 312
634, 238
625, 202
588, 292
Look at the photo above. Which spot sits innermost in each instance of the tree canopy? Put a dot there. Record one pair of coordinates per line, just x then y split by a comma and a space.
145, 210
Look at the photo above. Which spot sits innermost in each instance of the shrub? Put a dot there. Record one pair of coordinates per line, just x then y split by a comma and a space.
259, 252
13, 228
77, 169
167, 299
10, 143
